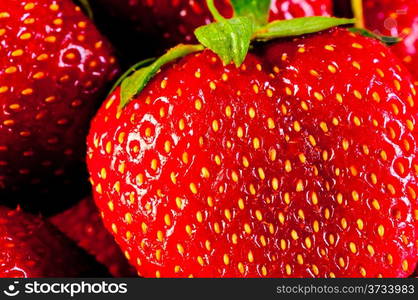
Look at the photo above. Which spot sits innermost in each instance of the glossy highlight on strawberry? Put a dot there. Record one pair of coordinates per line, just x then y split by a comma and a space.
54, 66
288, 166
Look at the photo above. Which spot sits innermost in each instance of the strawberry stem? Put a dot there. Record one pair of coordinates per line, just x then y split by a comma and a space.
357, 7
214, 11
87, 8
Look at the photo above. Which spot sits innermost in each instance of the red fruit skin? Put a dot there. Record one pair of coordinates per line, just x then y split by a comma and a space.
82, 224
396, 18
30, 247
54, 67
286, 167
174, 21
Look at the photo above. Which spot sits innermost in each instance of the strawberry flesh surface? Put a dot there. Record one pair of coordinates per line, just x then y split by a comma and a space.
300, 163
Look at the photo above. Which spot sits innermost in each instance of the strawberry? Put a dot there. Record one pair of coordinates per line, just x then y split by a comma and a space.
398, 18
54, 66
175, 20
83, 225
280, 164
31, 247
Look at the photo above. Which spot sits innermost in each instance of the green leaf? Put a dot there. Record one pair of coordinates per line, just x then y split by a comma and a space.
229, 38
85, 4
256, 9
134, 84
130, 71
299, 26
388, 40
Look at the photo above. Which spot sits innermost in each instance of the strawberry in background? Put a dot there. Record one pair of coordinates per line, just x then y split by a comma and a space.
82, 224
30, 247
279, 162
396, 18
54, 69
159, 24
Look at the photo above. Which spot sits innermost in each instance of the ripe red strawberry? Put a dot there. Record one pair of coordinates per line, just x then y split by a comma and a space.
397, 18
82, 224
289, 166
54, 66
30, 247
175, 20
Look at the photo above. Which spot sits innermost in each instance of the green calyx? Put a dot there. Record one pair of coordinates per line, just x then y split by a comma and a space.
136, 82
230, 39
388, 40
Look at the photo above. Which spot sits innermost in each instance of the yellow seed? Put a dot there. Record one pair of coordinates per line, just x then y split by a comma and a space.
329, 47
357, 94
294, 235
167, 220
228, 111
180, 248
198, 104
207, 245
275, 184
263, 240
312, 141
261, 173
332, 69
247, 228
259, 215
376, 97
272, 154
193, 188
383, 155
287, 198
323, 126
405, 265
270, 123
241, 204
234, 176
299, 259
344, 223
299, 186
199, 217
302, 158
185, 157
370, 249
316, 226
360, 224
314, 198
256, 143
339, 98
205, 172
296, 126
319, 96
381, 230
376, 204
228, 214
355, 195
353, 247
